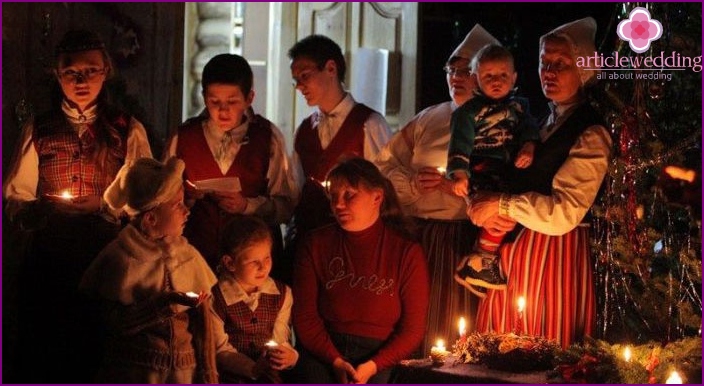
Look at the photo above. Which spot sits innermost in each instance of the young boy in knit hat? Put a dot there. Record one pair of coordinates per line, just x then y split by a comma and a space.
490, 134
155, 288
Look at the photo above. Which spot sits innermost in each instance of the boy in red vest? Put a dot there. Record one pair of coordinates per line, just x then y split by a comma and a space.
229, 142
339, 128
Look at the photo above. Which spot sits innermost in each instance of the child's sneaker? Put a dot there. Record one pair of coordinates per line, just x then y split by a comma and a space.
489, 276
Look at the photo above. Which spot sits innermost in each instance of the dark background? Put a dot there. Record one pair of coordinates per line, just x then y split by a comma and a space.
517, 26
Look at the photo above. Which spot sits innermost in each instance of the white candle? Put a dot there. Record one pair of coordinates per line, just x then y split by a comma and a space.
463, 327
438, 352
674, 378
627, 354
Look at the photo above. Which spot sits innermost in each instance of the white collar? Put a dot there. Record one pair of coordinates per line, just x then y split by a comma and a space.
233, 292
76, 117
342, 110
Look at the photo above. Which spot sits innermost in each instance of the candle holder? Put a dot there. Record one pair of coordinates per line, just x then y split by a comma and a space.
438, 354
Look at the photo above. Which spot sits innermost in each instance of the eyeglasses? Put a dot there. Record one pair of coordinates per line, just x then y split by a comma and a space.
88, 75
458, 72
303, 77
555, 67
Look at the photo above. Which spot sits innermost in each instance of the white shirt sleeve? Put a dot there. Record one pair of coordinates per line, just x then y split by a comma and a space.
376, 134
574, 187
395, 161
137, 142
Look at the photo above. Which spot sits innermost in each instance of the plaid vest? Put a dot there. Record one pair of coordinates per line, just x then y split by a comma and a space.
249, 331
66, 160
313, 210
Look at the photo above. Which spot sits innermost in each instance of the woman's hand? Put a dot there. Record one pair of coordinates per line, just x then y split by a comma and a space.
429, 178
498, 225
344, 372
231, 202
281, 357
365, 371
483, 207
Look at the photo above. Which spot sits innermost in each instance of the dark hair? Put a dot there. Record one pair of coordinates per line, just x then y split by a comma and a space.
241, 232
358, 171
108, 140
320, 49
489, 53
229, 69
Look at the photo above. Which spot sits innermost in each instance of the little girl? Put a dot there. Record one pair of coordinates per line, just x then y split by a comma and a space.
256, 308
155, 288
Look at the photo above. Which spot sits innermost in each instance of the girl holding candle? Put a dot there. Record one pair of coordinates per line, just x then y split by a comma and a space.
361, 284
77, 148
255, 307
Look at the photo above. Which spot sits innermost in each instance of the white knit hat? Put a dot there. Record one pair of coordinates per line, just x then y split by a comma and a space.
580, 34
477, 38
144, 185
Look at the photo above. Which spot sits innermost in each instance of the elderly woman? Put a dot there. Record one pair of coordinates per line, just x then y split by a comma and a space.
411, 160
360, 284
549, 262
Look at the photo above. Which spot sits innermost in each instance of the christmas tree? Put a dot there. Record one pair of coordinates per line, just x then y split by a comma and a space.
647, 221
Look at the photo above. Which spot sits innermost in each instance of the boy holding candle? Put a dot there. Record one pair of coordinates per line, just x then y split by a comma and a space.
255, 307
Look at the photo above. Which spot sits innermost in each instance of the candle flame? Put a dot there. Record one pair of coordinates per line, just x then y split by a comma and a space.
674, 378
66, 195
271, 344
440, 344
442, 170
326, 184
462, 326
627, 354
521, 303
191, 294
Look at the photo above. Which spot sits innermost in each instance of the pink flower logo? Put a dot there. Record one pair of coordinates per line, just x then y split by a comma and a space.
639, 30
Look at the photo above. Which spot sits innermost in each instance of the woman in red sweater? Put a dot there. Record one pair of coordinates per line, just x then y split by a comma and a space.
360, 285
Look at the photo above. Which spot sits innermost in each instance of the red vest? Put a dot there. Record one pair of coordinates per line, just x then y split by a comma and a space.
66, 160
313, 210
251, 164
249, 331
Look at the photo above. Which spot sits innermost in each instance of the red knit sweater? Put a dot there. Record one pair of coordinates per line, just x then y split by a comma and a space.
371, 283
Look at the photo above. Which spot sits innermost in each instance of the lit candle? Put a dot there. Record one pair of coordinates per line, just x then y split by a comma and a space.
674, 378
442, 170
627, 354
191, 294
326, 184
271, 344
66, 195
463, 327
519, 319
438, 352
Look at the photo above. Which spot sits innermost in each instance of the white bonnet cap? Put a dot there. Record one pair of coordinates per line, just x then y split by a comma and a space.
477, 38
580, 34
144, 185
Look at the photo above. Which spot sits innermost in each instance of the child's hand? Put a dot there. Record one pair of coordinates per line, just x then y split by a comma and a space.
525, 155
460, 186
75, 205
281, 357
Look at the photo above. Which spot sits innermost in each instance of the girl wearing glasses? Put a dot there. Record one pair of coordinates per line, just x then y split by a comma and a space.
64, 161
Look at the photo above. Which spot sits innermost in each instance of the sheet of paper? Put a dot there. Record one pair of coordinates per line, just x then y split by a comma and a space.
225, 184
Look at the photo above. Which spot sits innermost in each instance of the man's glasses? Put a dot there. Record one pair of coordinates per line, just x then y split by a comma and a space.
458, 72
88, 75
